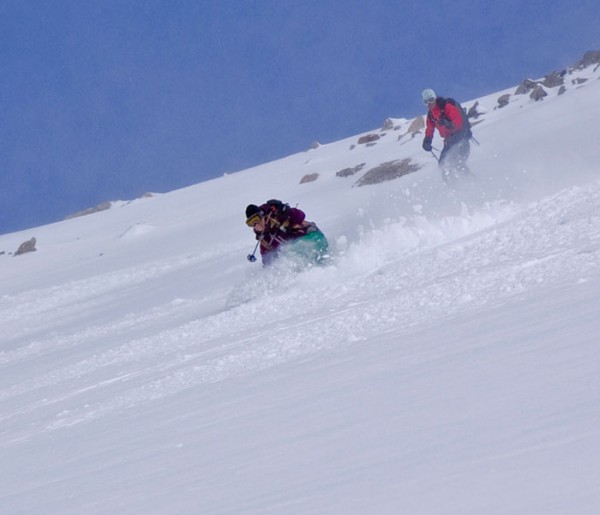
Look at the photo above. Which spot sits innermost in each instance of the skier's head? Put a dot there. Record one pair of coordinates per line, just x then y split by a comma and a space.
254, 216
428, 96
251, 209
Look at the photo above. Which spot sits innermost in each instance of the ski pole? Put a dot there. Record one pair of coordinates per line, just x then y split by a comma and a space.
252, 257
475, 140
436, 157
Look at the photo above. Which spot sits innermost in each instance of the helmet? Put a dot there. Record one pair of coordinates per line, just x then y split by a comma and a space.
428, 96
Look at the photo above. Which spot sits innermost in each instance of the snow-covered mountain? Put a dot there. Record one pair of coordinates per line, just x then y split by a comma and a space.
447, 361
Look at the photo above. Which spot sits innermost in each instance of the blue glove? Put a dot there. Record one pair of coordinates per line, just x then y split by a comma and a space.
427, 144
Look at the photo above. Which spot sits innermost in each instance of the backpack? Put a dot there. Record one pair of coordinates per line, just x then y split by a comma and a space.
277, 208
466, 128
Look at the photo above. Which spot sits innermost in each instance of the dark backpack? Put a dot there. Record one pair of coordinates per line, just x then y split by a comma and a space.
277, 208
466, 123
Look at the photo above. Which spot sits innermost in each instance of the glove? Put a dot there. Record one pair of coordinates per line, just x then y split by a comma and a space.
427, 144
312, 227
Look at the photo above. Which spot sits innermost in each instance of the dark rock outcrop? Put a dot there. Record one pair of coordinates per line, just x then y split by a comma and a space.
473, 111
368, 138
26, 246
538, 93
387, 172
553, 80
525, 87
347, 172
590, 58
503, 100
311, 177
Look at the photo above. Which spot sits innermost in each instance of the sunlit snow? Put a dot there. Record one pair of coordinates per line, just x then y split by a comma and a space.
446, 362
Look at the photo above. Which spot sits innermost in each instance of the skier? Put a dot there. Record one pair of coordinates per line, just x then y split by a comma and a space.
279, 227
449, 118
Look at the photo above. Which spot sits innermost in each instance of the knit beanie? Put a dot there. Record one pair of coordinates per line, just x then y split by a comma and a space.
251, 210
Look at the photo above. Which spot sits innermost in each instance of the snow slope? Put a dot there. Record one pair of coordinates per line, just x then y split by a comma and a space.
446, 362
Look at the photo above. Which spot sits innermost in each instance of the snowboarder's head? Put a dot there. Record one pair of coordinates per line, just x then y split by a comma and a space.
428, 96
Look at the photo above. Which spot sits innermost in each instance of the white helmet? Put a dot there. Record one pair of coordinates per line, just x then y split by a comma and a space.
428, 96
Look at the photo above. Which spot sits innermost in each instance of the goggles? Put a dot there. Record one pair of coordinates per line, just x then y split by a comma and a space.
254, 219
429, 100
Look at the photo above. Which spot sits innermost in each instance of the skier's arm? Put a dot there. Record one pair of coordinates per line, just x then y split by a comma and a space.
296, 216
429, 128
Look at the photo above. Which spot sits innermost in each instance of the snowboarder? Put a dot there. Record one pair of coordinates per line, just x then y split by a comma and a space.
281, 228
449, 118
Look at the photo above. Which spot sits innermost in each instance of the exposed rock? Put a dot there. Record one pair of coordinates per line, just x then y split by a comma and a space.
553, 80
416, 126
100, 207
314, 145
589, 58
309, 178
525, 87
387, 172
538, 93
347, 172
561, 90
27, 246
388, 124
368, 138
579, 80
503, 100
473, 112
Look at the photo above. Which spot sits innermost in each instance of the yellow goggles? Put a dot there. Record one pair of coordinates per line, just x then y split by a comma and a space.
254, 219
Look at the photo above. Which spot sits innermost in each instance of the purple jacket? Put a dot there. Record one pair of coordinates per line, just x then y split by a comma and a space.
280, 228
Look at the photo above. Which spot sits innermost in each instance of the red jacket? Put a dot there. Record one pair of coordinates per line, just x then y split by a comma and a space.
447, 121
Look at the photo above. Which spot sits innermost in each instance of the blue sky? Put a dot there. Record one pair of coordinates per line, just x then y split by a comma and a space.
107, 100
